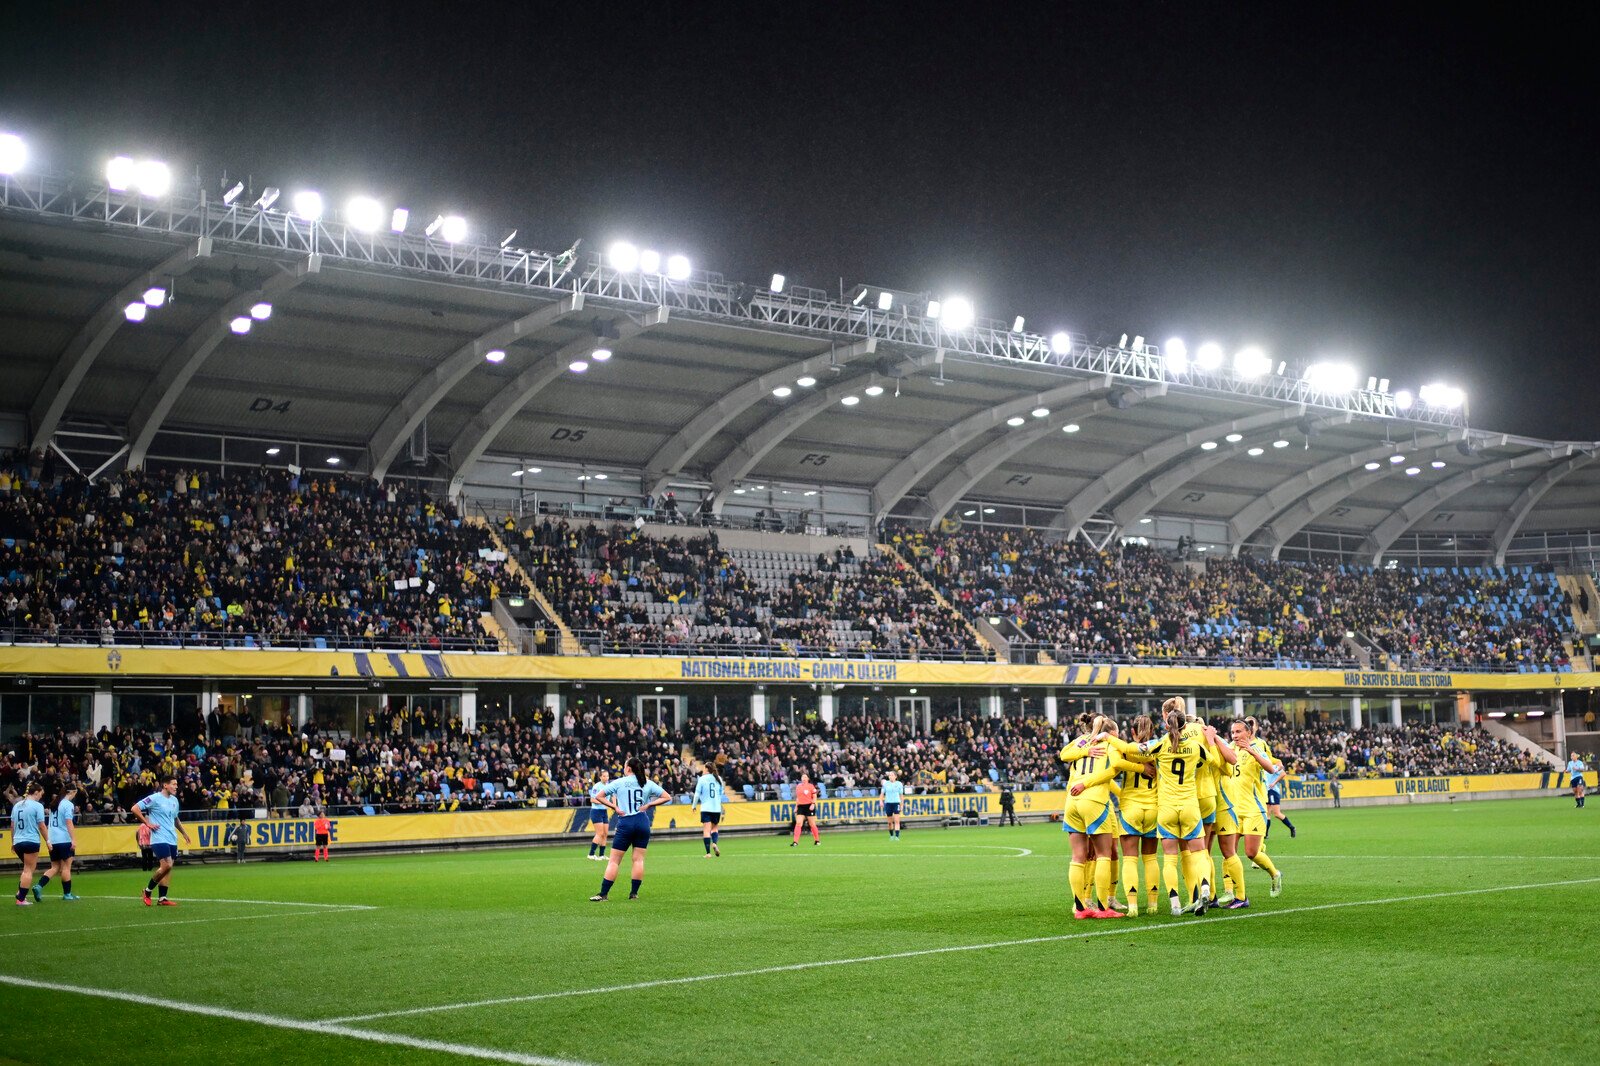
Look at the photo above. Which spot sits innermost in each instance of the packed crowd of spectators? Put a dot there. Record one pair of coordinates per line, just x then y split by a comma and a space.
1132, 603
263, 556
1415, 751
420, 764
644, 593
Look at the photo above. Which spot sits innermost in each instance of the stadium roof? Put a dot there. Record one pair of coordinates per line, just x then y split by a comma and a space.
372, 337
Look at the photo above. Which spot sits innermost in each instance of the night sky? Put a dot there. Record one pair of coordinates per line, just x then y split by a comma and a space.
1412, 191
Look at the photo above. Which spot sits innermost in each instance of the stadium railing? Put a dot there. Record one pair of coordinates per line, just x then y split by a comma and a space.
189, 638
599, 642
1027, 652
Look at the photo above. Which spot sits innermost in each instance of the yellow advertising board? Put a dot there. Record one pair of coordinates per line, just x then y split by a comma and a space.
104, 662
1398, 787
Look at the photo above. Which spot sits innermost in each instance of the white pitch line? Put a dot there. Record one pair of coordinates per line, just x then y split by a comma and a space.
158, 923
297, 1024
1122, 930
1295, 856
254, 902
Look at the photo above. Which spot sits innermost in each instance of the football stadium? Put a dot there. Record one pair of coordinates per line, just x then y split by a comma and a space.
582, 655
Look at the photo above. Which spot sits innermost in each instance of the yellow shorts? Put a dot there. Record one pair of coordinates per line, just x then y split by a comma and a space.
1089, 816
1137, 820
1227, 823
1208, 809
1178, 823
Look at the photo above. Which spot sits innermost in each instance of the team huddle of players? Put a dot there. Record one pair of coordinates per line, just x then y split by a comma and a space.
1180, 791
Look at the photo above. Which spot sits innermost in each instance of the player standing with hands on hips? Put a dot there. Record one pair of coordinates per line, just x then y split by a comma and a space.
630, 798
159, 811
893, 792
1575, 768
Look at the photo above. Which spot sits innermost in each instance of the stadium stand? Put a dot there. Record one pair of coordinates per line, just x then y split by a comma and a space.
264, 558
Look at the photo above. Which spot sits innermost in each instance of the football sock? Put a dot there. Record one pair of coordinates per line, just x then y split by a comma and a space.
814, 834
66, 887
1075, 875
1152, 873
1130, 877
605, 885
714, 835
151, 887
163, 891
44, 879
1216, 872
637, 881
1288, 823
22, 894
707, 842
1265, 863
1235, 868
1268, 833
797, 831
1102, 881
1169, 873
591, 849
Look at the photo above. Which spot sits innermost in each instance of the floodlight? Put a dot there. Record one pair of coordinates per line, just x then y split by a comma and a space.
874, 390
600, 355
1061, 343
601, 477
1373, 466
1209, 357
623, 256
268, 197
988, 510
120, 173
1209, 446
240, 325
135, 311
518, 473
1251, 362
1437, 464
861, 294
1256, 451
1383, 384
333, 460
307, 205
153, 178
1372, 384
495, 355
1397, 459
1138, 343
1282, 366
885, 300
650, 261
1015, 420
958, 313
1016, 324
454, 229
155, 296
1403, 400
261, 312
1123, 343
13, 153
1280, 443
850, 401
782, 392
364, 213
508, 238
777, 284
274, 450
398, 220
233, 194
1413, 471
806, 382
1440, 395
1234, 438
1070, 427
1177, 355
935, 309
678, 268
1040, 412
1333, 377
578, 366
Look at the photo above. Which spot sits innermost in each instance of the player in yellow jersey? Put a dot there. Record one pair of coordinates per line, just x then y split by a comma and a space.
1090, 819
1178, 754
1080, 873
1226, 829
1250, 794
1136, 815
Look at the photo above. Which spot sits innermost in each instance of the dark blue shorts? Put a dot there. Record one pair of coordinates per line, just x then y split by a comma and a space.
58, 852
599, 814
714, 817
163, 852
26, 848
891, 809
630, 834
1273, 798
1577, 780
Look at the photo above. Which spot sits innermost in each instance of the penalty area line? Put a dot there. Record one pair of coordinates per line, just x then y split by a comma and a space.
252, 902
297, 1024
158, 923
1122, 930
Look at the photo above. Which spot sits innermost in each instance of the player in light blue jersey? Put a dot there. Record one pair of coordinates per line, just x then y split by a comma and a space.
893, 791
709, 796
27, 819
600, 819
159, 812
1575, 772
1275, 790
630, 798
63, 843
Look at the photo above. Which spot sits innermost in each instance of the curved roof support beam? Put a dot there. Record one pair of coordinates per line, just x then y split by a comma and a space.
1114, 482
684, 445
1302, 512
1257, 512
949, 490
1528, 500
1410, 512
80, 353
1158, 488
154, 404
477, 435
776, 430
432, 387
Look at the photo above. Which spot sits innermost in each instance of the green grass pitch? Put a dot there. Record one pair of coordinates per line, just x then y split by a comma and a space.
1429, 933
